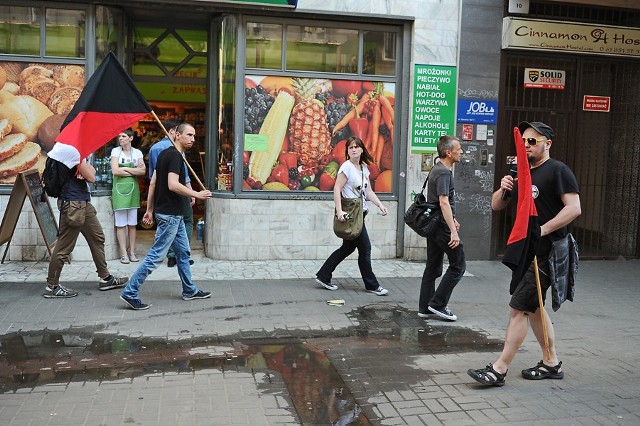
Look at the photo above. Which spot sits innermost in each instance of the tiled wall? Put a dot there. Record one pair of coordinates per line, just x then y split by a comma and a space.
27, 242
286, 229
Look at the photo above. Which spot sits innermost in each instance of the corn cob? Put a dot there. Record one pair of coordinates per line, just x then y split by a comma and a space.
274, 128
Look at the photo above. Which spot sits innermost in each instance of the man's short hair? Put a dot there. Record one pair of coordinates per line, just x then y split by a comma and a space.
445, 143
171, 123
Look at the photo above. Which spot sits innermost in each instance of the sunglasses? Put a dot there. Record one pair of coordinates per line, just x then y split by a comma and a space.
534, 141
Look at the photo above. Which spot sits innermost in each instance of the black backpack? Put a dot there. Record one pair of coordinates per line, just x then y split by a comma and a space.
55, 177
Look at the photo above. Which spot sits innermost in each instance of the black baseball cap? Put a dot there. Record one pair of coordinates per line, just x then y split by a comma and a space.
544, 129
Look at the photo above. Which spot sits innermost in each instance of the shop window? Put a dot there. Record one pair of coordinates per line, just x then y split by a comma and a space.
379, 53
108, 31
20, 30
321, 49
65, 33
264, 46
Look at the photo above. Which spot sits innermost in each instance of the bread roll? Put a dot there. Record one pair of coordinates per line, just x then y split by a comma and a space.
40, 88
11, 145
63, 99
39, 166
26, 113
3, 77
13, 70
5, 127
11, 87
34, 71
23, 160
69, 75
49, 130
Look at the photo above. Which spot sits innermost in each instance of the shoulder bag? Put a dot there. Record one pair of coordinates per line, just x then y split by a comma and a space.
351, 227
422, 217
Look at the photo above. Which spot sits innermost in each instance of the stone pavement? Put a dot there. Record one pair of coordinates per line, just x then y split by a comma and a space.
413, 372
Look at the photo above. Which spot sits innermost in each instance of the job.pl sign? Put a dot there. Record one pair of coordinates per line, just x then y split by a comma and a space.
477, 111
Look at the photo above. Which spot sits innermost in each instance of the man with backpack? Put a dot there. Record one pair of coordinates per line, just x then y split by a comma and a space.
77, 215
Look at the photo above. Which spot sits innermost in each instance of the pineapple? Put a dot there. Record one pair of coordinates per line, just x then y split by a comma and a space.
309, 135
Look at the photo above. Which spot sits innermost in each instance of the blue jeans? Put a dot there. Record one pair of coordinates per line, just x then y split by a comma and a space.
437, 246
170, 232
188, 224
363, 244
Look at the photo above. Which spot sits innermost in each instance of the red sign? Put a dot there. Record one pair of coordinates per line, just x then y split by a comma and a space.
467, 132
596, 103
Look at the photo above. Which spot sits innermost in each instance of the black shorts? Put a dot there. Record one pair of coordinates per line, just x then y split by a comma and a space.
525, 296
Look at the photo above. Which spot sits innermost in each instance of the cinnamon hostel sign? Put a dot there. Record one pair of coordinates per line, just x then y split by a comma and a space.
570, 37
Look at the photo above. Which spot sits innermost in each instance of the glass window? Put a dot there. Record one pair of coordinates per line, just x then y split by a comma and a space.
264, 46
379, 56
108, 30
65, 33
226, 76
321, 49
20, 30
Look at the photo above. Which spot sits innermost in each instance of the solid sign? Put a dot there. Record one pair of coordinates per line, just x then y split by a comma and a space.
539, 78
434, 106
477, 111
570, 37
596, 103
467, 132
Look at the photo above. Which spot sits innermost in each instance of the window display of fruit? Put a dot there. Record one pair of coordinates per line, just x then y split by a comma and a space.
307, 122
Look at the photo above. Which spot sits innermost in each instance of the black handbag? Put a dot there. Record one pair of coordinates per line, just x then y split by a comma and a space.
422, 217
351, 227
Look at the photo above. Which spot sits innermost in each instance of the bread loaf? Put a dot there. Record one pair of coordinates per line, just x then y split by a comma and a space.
40, 88
3, 77
11, 145
11, 87
5, 127
69, 75
23, 160
13, 70
25, 112
34, 71
39, 166
63, 99
49, 130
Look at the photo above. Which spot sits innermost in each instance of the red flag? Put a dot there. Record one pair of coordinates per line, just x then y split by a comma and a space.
522, 243
108, 104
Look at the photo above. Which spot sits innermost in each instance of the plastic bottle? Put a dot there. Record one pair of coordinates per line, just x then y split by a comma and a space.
200, 230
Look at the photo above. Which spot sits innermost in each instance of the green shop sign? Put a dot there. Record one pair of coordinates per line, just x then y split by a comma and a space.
434, 106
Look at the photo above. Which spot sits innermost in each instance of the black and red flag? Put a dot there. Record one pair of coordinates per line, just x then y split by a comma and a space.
523, 241
108, 104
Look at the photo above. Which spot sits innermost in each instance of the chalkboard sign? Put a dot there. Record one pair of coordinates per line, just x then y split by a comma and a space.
28, 184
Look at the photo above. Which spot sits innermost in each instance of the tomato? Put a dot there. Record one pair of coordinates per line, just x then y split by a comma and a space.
346, 87
326, 182
281, 174
339, 151
368, 86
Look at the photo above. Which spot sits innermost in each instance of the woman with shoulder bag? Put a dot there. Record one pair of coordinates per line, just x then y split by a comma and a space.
353, 182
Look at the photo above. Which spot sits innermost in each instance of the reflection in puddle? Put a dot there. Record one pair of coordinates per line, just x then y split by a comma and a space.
315, 388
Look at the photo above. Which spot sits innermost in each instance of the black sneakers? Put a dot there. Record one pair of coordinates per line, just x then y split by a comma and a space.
172, 261
112, 282
199, 295
135, 304
444, 313
59, 292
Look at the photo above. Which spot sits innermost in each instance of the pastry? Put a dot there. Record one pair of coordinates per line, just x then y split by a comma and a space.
23, 160
13, 70
40, 88
69, 75
11, 145
63, 99
11, 87
3, 77
34, 71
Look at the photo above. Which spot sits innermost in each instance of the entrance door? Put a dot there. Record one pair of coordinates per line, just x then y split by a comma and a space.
595, 145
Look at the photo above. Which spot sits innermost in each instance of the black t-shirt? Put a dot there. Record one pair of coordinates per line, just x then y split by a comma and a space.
167, 201
550, 181
75, 189
441, 183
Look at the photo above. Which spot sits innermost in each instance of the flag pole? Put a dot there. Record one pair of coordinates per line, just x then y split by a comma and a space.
174, 144
542, 312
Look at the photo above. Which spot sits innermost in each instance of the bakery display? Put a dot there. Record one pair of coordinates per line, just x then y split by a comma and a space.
34, 101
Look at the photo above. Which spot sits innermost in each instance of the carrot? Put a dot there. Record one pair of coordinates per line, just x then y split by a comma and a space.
386, 104
353, 113
375, 124
379, 149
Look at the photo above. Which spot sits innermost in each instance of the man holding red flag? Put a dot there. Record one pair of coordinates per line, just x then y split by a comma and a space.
554, 190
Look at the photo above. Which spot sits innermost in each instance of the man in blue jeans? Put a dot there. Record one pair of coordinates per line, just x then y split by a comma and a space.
441, 192
167, 195
171, 125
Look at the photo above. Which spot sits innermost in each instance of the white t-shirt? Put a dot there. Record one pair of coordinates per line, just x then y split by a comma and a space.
354, 181
135, 156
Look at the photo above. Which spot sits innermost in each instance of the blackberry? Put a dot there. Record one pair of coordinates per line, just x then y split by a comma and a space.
293, 173
257, 103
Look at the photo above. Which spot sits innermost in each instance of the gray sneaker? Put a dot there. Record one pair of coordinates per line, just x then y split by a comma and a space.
112, 282
59, 292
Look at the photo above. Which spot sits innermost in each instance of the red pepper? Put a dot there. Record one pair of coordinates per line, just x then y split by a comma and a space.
359, 127
289, 159
281, 174
326, 182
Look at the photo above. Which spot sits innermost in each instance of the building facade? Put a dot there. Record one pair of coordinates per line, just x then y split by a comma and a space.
268, 84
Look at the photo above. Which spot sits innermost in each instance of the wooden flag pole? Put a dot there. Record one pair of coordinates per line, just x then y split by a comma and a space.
542, 313
183, 157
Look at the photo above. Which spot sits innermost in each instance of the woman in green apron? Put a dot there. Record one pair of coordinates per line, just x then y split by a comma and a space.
127, 164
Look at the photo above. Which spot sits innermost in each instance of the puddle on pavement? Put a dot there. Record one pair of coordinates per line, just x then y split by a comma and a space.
316, 389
